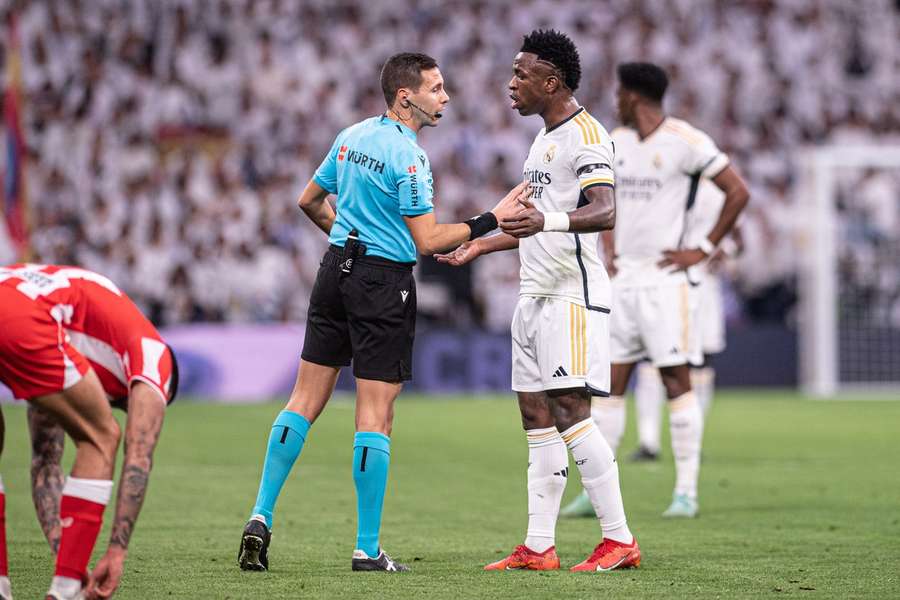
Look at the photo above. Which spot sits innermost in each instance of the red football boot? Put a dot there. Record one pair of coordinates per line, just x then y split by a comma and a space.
610, 555
524, 558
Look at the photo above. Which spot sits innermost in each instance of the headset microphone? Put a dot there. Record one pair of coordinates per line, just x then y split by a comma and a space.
434, 116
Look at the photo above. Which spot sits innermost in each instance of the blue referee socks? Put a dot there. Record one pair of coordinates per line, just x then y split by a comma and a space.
285, 443
371, 457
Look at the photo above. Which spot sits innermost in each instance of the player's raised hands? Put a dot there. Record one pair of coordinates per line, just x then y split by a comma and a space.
466, 253
511, 202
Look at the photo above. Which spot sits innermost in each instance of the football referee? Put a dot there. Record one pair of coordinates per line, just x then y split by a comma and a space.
363, 304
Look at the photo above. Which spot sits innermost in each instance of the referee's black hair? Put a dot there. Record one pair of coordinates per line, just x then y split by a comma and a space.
404, 70
556, 48
647, 79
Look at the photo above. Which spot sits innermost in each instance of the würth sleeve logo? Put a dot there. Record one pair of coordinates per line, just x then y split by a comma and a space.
342, 152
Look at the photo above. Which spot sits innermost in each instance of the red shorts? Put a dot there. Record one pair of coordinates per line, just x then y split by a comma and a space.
36, 357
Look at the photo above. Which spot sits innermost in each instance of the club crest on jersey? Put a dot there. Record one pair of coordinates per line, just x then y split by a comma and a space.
657, 161
549, 154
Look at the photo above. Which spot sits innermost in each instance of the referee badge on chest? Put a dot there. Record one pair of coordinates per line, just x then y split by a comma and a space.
549, 154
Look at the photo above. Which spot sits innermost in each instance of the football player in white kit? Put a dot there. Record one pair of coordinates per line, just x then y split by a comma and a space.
560, 330
660, 162
709, 318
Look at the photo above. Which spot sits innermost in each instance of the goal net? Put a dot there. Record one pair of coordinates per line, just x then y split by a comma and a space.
850, 270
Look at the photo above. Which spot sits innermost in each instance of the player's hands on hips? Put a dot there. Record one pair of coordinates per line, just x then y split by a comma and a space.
681, 259
107, 574
511, 203
527, 222
466, 253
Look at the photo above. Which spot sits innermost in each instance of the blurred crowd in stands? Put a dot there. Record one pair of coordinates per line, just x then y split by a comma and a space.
169, 139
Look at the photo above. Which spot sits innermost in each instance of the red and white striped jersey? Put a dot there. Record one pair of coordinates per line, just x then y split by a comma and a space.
102, 323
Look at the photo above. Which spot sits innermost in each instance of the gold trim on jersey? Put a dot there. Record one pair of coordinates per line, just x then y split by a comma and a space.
584, 133
578, 340
683, 132
589, 131
596, 180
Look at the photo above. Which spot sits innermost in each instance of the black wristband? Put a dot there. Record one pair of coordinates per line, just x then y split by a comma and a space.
482, 224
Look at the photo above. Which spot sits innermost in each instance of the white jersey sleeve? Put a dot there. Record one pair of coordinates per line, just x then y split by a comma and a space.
701, 155
593, 165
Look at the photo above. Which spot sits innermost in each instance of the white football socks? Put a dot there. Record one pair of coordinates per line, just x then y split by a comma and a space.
65, 588
548, 468
609, 416
649, 397
600, 477
703, 381
686, 427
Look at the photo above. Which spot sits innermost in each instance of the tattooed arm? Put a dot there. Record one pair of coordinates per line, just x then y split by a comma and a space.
47, 439
145, 418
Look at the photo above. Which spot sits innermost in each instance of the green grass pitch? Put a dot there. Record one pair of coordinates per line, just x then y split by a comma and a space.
798, 498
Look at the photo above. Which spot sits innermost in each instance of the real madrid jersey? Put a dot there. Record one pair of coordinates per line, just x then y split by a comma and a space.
565, 161
656, 180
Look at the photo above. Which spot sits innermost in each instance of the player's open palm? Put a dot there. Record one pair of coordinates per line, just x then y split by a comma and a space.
462, 255
511, 202
106, 577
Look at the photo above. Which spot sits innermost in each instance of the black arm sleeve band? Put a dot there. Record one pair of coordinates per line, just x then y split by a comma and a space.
482, 224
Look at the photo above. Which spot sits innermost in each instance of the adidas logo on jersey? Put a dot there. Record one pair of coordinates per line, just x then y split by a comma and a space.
560, 372
563, 473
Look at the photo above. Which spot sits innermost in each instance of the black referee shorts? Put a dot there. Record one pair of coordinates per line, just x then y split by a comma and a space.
368, 316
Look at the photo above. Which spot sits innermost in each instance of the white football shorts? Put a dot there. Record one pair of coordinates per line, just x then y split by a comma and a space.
655, 322
559, 344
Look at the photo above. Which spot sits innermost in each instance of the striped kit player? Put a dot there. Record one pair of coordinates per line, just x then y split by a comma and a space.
72, 344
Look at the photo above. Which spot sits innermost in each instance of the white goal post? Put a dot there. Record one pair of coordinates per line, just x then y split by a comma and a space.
823, 324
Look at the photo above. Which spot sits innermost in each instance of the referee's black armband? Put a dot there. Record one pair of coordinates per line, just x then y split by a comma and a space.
482, 224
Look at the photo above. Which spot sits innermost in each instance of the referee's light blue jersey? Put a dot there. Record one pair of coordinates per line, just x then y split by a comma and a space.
380, 175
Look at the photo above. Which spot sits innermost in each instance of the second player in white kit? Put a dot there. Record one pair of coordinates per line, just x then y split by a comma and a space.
660, 162
707, 331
